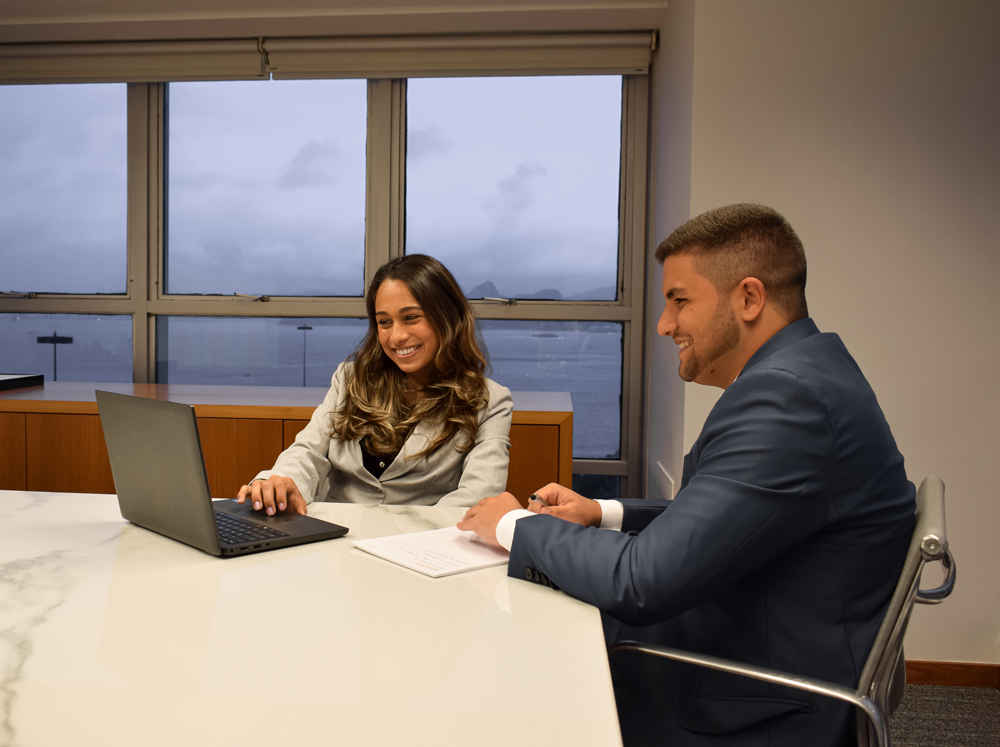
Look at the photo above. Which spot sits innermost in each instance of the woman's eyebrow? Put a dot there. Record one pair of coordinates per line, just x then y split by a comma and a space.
405, 308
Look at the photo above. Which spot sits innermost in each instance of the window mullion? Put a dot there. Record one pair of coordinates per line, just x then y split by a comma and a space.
634, 146
143, 127
383, 204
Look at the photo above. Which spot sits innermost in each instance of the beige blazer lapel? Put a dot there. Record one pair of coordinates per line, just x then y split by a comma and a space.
348, 454
418, 440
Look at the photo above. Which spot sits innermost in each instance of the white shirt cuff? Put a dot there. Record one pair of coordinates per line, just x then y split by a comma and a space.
612, 515
505, 527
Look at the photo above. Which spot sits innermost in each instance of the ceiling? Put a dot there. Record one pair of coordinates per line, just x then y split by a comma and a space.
120, 20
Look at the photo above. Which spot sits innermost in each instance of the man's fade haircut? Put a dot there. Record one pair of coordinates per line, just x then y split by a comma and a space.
745, 240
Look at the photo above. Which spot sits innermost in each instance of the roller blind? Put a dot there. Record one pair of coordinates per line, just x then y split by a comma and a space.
414, 57
395, 57
132, 62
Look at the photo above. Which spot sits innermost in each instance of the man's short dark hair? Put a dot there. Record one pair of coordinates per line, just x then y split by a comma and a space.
745, 240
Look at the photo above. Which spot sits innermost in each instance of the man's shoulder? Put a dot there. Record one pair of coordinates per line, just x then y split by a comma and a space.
801, 353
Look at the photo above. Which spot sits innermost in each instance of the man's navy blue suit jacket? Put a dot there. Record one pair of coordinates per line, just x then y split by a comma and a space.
781, 549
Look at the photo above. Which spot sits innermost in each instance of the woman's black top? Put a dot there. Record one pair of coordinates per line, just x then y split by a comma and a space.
375, 463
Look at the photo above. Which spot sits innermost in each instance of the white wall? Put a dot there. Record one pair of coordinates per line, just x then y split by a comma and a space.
874, 127
672, 87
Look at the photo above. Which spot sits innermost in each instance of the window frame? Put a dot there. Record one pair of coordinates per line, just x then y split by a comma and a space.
384, 240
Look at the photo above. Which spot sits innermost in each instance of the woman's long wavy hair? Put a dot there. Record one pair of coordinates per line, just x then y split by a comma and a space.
380, 406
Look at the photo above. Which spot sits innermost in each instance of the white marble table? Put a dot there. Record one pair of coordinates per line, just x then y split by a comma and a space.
113, 635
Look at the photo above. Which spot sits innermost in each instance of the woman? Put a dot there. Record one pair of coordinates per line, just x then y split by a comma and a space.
410, 417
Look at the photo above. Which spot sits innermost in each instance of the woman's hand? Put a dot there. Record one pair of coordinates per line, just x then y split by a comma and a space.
565, 504
272, 495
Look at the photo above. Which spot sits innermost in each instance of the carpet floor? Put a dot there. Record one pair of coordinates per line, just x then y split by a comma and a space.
931, 716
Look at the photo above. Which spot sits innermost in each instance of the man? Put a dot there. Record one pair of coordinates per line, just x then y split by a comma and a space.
785, 541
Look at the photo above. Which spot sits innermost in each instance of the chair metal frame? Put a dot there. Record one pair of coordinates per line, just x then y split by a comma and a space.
880, 686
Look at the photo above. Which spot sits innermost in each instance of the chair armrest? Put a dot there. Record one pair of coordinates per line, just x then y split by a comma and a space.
774, 676
938, 594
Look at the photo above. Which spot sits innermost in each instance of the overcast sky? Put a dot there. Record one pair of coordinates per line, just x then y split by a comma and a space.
512, 181
62, 177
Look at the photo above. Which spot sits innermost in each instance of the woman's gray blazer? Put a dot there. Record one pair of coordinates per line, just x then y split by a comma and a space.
330, 469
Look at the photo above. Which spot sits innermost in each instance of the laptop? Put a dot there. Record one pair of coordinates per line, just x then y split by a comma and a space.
160, 478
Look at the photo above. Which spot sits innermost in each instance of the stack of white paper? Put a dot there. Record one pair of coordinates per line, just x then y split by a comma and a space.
438, 552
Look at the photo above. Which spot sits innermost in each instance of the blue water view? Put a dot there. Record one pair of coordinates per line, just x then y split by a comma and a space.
582, 358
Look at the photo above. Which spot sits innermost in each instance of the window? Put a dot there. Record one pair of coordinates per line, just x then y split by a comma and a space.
239, 246
266, 188
63, 180
67, 347
513, 183
253, 351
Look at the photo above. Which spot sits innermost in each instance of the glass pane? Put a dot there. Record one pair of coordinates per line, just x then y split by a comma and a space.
63, 180
67, 347
582, 358
513, 183
258, 351
598, 487
266, 188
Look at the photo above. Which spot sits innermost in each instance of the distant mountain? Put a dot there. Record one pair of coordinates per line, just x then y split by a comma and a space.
489, 290
484, 290
547, 294
606, 293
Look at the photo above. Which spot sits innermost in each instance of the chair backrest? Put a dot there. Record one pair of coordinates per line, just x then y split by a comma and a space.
929, 544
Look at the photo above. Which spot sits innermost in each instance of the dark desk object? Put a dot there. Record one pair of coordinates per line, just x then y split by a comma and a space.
51, 438
20, 381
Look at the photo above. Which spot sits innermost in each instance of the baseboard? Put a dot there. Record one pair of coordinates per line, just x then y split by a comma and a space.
955, 674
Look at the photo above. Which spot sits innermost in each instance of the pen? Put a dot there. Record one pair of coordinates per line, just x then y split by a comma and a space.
538, 499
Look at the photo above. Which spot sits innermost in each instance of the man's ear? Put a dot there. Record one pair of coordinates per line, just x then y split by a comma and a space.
751, 297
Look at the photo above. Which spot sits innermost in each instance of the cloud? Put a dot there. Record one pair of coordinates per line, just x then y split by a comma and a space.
514, 193
426, 142
313, 165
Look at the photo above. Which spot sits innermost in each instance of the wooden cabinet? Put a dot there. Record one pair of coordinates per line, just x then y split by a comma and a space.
66, 453
13, 462
51, 437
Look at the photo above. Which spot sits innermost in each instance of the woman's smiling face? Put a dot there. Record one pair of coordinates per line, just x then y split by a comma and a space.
404, 331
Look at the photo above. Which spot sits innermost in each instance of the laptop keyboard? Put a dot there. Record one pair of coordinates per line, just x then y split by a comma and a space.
235, 531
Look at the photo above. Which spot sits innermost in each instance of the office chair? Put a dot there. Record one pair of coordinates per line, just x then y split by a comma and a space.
880, 688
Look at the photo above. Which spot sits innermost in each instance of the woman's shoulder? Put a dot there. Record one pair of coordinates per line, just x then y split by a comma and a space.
497, 392
343, 372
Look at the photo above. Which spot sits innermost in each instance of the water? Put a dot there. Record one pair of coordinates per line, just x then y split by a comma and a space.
583, 358
101, 349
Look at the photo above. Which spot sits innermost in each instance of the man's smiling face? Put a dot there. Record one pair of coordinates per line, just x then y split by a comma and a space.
700, 321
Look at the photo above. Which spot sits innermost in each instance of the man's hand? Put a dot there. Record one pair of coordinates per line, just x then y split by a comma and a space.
274, 494
485, 515
565, 504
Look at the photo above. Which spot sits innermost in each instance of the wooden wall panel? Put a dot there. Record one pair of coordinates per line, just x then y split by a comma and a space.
534, 459
67, 454
957, 674
291, 430
13, 464
237, 449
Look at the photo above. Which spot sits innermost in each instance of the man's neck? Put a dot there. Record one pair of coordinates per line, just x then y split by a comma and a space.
753, 336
